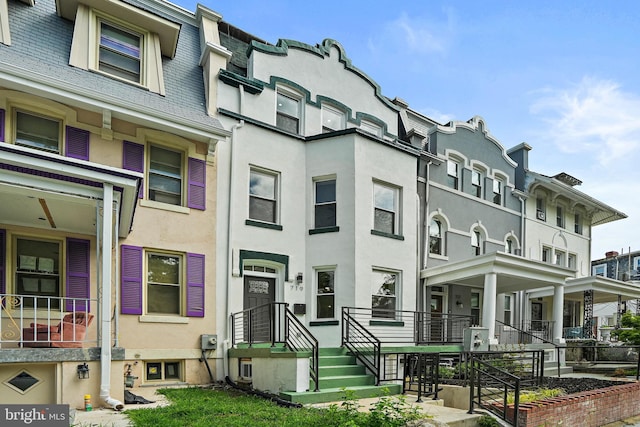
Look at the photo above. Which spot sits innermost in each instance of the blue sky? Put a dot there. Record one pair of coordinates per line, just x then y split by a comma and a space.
563, 76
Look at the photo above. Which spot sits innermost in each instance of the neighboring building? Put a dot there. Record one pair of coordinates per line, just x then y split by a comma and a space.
107, 197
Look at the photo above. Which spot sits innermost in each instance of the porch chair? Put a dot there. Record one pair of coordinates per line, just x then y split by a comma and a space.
69, 333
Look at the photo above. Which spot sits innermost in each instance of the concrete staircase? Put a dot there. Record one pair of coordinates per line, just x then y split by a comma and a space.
338, 370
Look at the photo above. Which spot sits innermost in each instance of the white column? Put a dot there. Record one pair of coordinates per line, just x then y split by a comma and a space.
558, 303
489, 305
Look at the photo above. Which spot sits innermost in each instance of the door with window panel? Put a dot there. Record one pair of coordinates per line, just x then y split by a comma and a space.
259, 292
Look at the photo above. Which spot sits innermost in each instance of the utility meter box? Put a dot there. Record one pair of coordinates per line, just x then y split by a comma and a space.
208, 342
476, 339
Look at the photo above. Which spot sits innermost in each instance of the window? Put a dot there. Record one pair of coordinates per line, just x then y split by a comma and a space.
546, 254
600, 270
497, 191
165, 175
385, 201
476, 181
164, 283
163, 371
435, 237
476, 242
263, 196
475, 308
507, 309
560, 216
332, 119
541, 212
288, 113
371, 128
560, 258
453, 171
38, 132
325, 302
577, 221
384, 293
38, 272
120, 52
325, 205
572, 261
509, 246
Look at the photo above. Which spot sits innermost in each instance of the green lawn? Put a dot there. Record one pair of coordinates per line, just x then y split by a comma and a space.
197, 407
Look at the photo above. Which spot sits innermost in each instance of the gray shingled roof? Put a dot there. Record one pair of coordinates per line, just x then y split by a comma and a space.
40, 47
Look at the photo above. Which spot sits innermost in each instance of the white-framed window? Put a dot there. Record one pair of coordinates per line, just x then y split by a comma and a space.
546, 254
560, 216
509, 245
325, 203
386, 205
507, 310
453, 174
541, 210
600, 270
120, 51
560, 258
38, 131
385, 291
635, 268
476, 307
436, 237
577, 223
498, 187
263, 196
165, 175
165, 283
371, 127
288, 112
476, 242
476, 182
162, 371
332, 119
572, 261
326, 294
37, 272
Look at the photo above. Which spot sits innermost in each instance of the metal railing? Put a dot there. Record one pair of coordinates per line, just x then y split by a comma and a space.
411, 327
363, 344
38, 321
273, 324
577, 332
510, 335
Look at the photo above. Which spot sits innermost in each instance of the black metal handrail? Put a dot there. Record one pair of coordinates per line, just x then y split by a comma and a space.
362, 343
298, 338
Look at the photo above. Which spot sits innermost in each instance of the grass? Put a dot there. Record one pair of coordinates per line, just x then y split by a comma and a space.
197, 407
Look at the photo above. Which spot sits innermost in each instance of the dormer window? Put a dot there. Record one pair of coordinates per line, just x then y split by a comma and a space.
288, 113
371, 128
120, 52
332, 119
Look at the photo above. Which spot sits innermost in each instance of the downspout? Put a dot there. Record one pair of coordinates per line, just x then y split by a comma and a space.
227, 326
105, 317
522, 296
425, 241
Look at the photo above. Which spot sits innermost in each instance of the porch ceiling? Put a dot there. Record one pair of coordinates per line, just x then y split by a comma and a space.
513, 273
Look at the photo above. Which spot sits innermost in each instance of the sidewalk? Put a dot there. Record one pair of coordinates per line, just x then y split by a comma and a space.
104, 417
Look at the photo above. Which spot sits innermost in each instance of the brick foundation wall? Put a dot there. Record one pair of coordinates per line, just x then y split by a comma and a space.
592, 408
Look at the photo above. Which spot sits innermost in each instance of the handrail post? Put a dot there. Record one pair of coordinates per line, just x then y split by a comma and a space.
471, 374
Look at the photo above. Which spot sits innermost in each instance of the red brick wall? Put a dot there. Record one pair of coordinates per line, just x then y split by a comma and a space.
592, 408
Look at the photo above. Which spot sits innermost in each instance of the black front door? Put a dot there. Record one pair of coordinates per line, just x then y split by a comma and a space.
259, 292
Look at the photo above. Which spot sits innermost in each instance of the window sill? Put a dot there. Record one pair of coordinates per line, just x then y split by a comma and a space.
382, 234
263, 225
438, 256
163, 319
324, 230
164, 206
324, 323
386, 323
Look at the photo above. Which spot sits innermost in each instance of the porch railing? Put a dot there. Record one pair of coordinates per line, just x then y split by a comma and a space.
38, 321
364, 345
273, 324
527, 332
411, 327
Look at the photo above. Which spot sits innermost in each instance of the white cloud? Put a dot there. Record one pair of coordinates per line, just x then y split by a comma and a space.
594, 116
436, 115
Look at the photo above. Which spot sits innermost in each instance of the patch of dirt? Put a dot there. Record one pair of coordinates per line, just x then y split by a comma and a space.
577, 385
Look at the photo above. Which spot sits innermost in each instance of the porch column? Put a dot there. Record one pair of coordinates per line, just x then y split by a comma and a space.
489, 305
558, 304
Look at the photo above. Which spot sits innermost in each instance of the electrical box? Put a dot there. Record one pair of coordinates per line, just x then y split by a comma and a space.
475, 339
208, 342
299, 308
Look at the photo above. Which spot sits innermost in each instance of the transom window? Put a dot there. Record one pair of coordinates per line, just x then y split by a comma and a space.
453, 177
38, 272
435, 237
384, 294
325, 302
120, 52
332, 119
385, 201
263, 196
476, 181
164, 283
288, 113
38, 132
497, 191
325, 203
165, 175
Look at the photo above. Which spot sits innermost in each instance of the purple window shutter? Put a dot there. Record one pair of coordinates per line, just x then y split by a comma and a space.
195, 285
197, 194
3, 259
133, 159
1, 124
77, 144
131, 279
78, 284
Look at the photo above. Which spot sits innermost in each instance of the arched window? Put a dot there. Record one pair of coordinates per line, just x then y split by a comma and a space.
436, 245
476, 242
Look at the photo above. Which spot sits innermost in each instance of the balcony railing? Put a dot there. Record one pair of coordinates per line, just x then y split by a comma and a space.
29, 321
